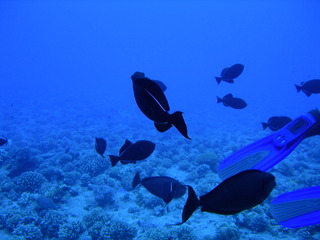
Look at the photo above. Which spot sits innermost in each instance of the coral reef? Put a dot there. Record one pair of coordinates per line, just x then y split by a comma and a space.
104, 195
71, 231
28, 232
227, 233
177, 233
92, 165
29, 182
102, 227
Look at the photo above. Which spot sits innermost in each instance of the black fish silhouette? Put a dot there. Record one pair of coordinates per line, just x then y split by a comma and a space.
309, 87
242, 191
101, 145
228, 74
276, 123
230, 101
163, 187
3, 141
133, 152
153, 103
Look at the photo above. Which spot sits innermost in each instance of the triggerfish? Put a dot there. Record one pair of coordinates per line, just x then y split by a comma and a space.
163, 187
229, 73
230, 101
309, 87
276, 123
150, 98
133, 152
101, 145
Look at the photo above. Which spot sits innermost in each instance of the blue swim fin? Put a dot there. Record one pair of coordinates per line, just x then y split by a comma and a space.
268, 151
298, 208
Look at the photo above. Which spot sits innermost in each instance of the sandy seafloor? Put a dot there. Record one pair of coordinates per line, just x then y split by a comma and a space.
95, 201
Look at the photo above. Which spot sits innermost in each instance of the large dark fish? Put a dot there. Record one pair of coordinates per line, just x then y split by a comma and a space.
153, 103
101, 145
230, 101
3, 141
309, 87
163, 187
242, 191
133, 152
276, 123
228, 74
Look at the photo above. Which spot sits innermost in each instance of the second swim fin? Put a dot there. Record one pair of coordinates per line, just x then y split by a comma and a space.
298, 208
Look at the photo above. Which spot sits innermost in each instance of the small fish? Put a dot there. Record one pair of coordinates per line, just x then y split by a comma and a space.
45, 203
276, 123
163, 187
230, 101
154, 105
228, 74
242, 191
101, 145
3, 141
309, 87
133, 152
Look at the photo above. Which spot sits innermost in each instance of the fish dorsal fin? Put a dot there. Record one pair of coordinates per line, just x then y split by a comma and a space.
161, 85
224, 71
125, 146
228, 96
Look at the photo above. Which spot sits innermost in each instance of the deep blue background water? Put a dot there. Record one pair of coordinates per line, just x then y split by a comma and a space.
76, 52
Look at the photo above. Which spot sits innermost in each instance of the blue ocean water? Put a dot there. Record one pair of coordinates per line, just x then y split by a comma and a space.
65, 70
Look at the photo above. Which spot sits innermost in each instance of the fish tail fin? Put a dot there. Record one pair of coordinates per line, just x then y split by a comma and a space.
136, 180
176, 119
218, 80
219, 100
264, 125
191, 205
298, 87
114, 160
